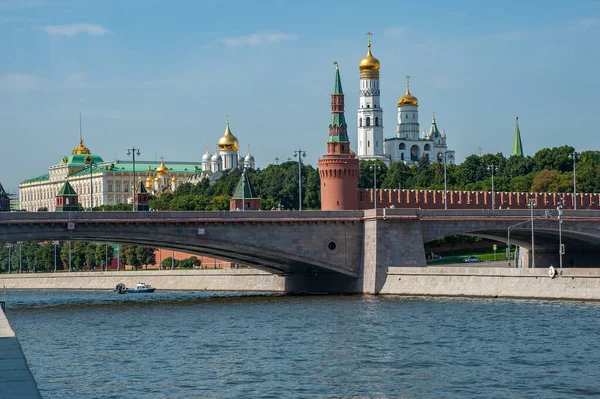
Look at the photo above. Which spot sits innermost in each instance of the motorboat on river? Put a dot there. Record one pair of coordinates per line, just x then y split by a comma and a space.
140, 288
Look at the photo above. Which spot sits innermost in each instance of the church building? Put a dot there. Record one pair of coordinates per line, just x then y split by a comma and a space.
407, 145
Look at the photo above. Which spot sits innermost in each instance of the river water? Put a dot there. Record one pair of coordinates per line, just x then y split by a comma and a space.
93, 344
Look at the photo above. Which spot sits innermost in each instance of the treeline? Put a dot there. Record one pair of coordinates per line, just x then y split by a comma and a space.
549, 170
32, 256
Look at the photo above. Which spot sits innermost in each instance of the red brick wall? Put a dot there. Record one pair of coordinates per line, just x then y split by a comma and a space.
434, 199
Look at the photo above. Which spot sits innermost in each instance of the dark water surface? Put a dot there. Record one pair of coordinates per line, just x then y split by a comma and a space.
92, 344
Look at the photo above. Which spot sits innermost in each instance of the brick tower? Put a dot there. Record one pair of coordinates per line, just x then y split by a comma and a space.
339, 168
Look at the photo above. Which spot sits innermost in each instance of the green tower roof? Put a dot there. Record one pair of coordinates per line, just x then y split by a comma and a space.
337, 87
517, 145
244, 189
433, 131
338, 120
67, 191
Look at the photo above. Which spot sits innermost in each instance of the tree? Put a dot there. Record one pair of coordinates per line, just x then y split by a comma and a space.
399, 175
65, 258
129, 254
103, 252
556, 158
366, 174
90, 255
146, 255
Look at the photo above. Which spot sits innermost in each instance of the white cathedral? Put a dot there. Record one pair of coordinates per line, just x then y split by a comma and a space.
407, 145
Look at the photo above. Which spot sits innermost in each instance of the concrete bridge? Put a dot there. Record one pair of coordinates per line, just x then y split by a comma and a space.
342, 251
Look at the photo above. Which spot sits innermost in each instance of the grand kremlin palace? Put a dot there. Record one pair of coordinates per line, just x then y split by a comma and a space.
111, 183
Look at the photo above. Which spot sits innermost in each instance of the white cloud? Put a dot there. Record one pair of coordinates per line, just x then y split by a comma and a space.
21, 82
457, 14
75, 29
257, 39
587, 23
396, 30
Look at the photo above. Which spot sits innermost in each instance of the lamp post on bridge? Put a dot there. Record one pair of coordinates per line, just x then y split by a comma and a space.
374, 167
575, 157
508, 240
493, 168
55, 244
10, 246
133, 152
300, 154
20, 256
561, 249
444, 156
532, 203
89, 162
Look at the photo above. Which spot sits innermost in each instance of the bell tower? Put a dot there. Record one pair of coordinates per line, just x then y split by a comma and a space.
338, 169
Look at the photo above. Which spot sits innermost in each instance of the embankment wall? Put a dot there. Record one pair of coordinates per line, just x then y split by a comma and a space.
16, 380
572, 284
182, 280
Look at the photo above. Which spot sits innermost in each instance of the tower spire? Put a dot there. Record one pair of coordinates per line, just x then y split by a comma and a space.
337, 126
517, 145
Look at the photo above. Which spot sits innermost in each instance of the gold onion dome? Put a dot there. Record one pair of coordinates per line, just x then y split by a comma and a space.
162, 169
369, 63
228, 142
408, 99
81, 149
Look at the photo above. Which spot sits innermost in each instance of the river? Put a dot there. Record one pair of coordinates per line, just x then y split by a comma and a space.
94, 344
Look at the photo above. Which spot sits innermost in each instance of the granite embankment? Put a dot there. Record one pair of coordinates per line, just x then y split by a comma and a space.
572, 284
16, 380
192, 280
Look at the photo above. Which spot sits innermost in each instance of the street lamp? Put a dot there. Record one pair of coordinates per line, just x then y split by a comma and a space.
575, 157
444, 156
10, 247
532, 203
89, 162
508, 240
243, 188
20, 255
300, 154
560, 244
493, 168
374, 167
55, 244
133, 151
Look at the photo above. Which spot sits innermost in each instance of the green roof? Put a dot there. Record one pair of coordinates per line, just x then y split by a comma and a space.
79, 159
433, 131
338, 120
244, 189
517, 145
3, 193
67, 191
337, 86
39, 178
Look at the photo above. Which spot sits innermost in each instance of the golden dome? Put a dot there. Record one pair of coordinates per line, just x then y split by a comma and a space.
162, 169
228, 142
369, 63
149, 178
407, 98
81, 149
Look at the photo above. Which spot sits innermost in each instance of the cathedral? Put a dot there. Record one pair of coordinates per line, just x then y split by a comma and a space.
407, 145
98, 182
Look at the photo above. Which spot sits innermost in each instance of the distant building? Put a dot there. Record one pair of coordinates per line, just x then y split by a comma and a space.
517, 145
113, 182
408, 145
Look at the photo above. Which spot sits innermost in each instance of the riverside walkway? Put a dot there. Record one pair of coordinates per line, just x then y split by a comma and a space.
16, 380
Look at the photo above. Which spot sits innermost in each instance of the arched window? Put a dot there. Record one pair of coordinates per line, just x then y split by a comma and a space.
402, 146
376, 121
359, 122
402, 157
368, 121
368, 105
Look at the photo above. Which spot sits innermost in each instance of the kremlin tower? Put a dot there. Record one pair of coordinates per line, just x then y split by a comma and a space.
339, 168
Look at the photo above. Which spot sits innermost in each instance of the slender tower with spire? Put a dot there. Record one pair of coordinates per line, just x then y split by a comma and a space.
338, 169
517, 145
370, 114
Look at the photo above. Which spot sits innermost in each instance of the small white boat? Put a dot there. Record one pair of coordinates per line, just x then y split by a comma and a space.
141, 288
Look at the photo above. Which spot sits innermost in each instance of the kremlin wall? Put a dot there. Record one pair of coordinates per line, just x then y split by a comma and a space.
434, 199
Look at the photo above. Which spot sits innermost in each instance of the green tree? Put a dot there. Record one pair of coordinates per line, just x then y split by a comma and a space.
366, 174
103, 252
90, 255
129, 254
556, 158
146, 255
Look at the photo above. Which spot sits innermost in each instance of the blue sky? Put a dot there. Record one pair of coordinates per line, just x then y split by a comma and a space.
162, 75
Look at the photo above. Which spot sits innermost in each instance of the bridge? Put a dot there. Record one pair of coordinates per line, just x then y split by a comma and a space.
341, 251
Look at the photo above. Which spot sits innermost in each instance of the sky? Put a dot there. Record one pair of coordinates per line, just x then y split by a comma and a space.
162, 75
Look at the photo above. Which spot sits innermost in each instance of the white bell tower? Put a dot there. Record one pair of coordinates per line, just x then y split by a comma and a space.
370, 114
